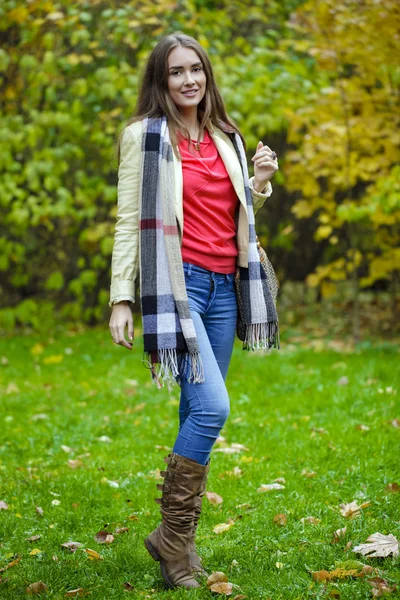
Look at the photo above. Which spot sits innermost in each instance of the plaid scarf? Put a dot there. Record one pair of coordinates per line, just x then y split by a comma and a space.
169, 335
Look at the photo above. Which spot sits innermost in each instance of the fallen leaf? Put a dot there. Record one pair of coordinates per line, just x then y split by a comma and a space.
93, 555
77, 592
39, 417
222, 588
339, 533
362, 427
352, 510
343, 380
12, 388
221, 527
3, 505
54, 359
36, 588
308, 474
103, 537
312, 520
11, 564
396, 423
393, 487
75, 464
128, 586
39, 510
380, 586
35, 551
104, 438
379, 545
55, 502
240, 597
66, 449
214, 498
33, 538
113, 484
280, 480
72, 546
267, 487
280, 519
216, 577
279, 565
121, 530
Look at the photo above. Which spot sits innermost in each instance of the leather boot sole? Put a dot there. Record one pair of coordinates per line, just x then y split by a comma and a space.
154, 554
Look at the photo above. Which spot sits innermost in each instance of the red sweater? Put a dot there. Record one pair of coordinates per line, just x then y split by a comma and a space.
209, 208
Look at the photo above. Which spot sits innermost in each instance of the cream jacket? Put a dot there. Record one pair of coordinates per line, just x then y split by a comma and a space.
125, 255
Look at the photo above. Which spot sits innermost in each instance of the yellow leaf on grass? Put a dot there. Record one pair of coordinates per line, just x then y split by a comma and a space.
54, 359
35, 551
93, 555
221, 527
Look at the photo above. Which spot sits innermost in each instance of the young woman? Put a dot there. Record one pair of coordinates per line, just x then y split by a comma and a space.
185, 221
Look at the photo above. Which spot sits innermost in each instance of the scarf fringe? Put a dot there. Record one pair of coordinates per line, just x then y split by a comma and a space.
261, 336
174, 366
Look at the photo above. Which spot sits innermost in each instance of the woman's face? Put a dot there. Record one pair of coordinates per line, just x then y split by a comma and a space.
186, 78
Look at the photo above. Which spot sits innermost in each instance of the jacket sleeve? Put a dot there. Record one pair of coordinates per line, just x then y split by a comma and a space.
259, 197
125, 255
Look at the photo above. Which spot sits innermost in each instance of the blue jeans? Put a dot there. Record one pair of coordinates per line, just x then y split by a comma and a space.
204, 407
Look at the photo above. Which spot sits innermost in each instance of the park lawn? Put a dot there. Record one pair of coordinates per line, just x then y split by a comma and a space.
288, 410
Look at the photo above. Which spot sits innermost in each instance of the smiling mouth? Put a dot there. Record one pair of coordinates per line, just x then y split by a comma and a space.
190, 92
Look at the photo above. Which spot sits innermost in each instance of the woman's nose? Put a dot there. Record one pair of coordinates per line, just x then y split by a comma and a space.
189, 79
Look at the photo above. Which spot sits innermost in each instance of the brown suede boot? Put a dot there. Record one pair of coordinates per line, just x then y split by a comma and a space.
195, 560
169, 543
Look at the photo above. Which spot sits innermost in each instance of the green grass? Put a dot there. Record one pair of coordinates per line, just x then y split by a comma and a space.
286, 408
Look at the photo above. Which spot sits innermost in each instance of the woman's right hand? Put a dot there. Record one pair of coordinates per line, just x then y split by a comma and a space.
121, 317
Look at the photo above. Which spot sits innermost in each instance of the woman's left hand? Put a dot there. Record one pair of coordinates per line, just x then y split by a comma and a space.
265, 165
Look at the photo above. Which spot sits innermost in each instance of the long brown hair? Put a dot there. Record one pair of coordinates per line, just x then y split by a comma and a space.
154, 99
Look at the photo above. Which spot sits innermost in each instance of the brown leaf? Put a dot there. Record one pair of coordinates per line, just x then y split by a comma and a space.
71, 546
312, 520
36, 588
216, 577
280, 480
380, 586
280, 519
321, 575
222, 588
393, 487
11, 564
396, 423
240, 597
352, 510
379, 545
39, 510
128, 586
3, 505
121, 530
33, 538
339, 533
362, 427
103, 537
309, 474
214, 498
93, 555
